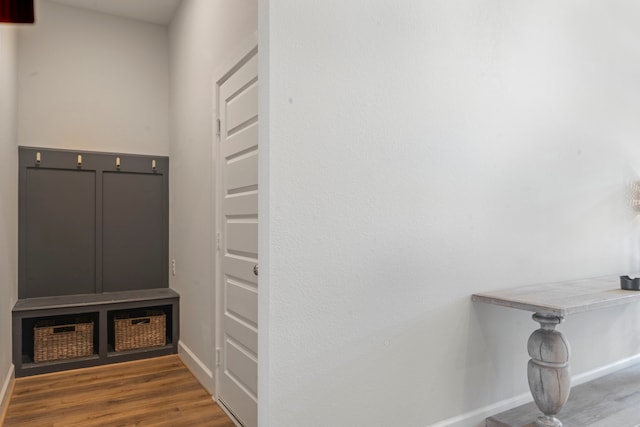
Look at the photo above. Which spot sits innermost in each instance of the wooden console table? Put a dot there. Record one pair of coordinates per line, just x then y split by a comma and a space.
548, 369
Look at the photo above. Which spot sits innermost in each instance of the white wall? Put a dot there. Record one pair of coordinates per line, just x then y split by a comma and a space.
93, 81
418, 152
8, 201
203, 34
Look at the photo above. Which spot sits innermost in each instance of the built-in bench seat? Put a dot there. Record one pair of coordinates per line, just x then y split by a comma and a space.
101, 308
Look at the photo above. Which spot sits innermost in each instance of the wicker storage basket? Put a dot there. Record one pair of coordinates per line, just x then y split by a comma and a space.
140, 329
62, 339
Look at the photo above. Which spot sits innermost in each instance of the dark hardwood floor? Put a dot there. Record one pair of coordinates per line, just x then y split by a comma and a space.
153, 392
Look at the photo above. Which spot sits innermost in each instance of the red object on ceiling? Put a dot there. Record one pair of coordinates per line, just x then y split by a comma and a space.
17, 11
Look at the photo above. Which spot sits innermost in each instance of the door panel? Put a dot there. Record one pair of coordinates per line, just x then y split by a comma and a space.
242, 365
240, 267
242, 140
240, 234
242, 107
246, 204
242, 172
242, 301
237, 375
239, 330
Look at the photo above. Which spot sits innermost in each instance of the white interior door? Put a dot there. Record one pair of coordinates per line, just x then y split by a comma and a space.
237, 371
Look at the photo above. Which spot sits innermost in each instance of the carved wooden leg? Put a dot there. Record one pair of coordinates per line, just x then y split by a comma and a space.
548, 370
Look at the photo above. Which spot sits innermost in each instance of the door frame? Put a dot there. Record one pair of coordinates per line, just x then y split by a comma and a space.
237, 59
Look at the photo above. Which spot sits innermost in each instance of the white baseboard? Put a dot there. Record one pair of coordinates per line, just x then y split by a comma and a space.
476, 418
605, 370
203, 375
5, 392
197, 367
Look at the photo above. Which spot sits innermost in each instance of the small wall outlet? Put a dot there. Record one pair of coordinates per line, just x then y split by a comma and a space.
173, 267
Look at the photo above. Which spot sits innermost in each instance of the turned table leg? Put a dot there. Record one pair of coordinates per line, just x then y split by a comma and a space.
548, 369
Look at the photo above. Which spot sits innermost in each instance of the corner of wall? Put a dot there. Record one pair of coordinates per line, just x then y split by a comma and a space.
197, 367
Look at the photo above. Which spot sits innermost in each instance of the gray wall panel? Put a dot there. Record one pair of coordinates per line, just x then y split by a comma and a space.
66, 210
133, 236
60, 235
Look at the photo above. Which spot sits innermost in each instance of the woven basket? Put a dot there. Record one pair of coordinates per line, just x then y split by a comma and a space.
140, 330
62, 339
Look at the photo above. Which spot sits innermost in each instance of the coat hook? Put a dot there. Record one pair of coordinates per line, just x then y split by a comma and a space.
79, 160
38, 158
153, 165
118, 162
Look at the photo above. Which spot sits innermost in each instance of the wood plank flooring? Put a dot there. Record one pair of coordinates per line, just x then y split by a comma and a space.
609, 401
153, 392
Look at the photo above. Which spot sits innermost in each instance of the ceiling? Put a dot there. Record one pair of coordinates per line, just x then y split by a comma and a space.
155, 11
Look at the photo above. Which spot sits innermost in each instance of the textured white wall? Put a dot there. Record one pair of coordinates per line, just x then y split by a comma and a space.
8, 196
419, 152
93, 81
203, 34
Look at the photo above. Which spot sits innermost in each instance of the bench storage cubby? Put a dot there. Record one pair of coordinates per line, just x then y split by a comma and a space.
101, 309
62, 337
139, 329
